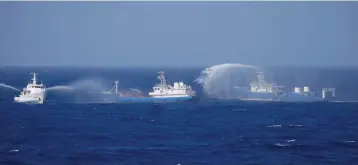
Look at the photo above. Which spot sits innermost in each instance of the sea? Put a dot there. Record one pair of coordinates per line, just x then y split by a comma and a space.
79, 129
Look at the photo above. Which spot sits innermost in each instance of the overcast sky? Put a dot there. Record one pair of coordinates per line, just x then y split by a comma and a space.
178, 34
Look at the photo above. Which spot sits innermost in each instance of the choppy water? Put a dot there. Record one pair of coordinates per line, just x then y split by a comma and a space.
204, 132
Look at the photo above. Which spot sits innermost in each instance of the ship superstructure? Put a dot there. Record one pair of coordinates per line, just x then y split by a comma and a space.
300, 95
329, 94
33, 93
261, 90
305, 92
113, 90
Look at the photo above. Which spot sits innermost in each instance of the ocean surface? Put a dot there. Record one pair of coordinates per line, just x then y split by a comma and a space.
76, 128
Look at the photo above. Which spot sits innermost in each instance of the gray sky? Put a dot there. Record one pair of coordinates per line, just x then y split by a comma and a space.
178, 33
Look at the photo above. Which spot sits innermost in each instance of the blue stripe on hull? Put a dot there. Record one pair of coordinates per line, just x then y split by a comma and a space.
261, 96
294, 97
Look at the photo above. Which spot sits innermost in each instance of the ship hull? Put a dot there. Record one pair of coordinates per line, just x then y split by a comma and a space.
148, 99
256, 96
292, 97
157, 99
295, 97
29, 100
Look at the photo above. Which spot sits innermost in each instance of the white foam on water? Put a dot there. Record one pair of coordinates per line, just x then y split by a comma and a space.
274, 126
15, 150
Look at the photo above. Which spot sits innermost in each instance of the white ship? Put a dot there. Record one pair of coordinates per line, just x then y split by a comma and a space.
33, 93
178, 91
261, 90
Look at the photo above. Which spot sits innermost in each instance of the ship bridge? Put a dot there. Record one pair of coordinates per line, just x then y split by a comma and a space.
260, 85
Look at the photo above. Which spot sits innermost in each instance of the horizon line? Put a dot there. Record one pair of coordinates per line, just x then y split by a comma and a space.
171, 66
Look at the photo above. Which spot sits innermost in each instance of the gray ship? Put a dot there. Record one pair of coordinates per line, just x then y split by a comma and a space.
260, 90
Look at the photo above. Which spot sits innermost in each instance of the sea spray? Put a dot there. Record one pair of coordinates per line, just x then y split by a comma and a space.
85, 90
60, 88
226, 81
131, 92
89, 90
89, 85
136, 90
8, 86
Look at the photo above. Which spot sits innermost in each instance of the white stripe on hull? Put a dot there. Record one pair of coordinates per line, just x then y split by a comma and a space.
169, 96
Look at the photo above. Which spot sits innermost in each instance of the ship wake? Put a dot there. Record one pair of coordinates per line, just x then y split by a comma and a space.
226, 81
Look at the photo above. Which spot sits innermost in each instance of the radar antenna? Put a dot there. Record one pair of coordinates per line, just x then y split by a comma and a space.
161, 77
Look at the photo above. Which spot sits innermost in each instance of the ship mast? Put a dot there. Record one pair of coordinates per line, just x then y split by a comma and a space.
161, 77
261, 78
116, 86
34, 78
